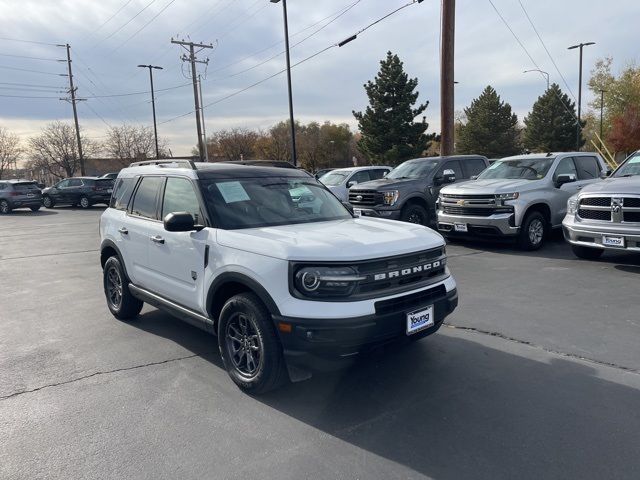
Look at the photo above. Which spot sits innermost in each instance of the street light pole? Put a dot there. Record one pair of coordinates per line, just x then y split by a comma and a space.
291, 119
153, 104
580, 46
546, 74
602, 92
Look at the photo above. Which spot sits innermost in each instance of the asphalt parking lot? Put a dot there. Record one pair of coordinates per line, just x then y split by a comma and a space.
536, 375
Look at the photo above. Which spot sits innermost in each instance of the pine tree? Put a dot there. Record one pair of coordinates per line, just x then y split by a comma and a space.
389, 133
551, 125
491, 128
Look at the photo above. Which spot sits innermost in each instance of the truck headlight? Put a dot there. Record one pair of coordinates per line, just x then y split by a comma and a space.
390, 197
323, 281
507, 196
572, 205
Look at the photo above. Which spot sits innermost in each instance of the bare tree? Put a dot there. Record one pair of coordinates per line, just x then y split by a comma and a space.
10, 150
129, 142
55, 150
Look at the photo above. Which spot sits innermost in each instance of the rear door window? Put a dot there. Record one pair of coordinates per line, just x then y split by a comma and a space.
122, 193
74, 182
474, 167
588, 167
146, 197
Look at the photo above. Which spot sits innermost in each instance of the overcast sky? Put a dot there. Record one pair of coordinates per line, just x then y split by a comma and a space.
106, 49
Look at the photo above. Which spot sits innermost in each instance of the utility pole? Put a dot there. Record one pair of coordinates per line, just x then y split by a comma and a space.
447, 77
204, 128
153, 105
72, 91
578, 126
193, 60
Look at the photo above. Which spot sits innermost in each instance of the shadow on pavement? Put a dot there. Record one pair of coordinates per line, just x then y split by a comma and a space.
29, 213
451, 407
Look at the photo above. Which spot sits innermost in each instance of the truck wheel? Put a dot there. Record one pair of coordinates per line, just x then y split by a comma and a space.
249, 345
47, 201
533, 231
84, 202
586, 252
5, 207
35, 209
121, 303
414, 214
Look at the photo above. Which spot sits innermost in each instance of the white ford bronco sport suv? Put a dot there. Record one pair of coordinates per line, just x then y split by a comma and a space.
272, 263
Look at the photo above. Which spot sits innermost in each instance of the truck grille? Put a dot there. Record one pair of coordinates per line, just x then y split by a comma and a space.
473, 212
472, 205
365, 197
615, 209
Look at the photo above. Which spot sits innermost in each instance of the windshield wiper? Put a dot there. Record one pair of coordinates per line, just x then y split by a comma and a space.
628, 175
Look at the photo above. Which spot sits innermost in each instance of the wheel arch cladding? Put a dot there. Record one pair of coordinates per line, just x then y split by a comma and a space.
540, 207
229, 284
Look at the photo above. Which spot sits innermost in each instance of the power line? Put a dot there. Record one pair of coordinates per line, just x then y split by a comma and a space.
33, 71
42, 90
30, 85
29, 41
146, 24
546, 49
98, 115
30, 58
26, 96
127, 22
113, 16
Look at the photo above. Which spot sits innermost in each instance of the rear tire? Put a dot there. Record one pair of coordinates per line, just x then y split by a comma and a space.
35, 209
586, 252
48, 202
415, 214
4, 207
84, 202
250, 346
533, 231
121, 303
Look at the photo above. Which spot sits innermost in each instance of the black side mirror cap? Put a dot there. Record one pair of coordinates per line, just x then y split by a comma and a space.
606, 173
565, 178
180, 222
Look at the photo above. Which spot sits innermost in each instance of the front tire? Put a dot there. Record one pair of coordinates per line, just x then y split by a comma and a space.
249, 345
586, 252
121, 303
48, 202
4, 207
35, 209
84, 202
533, 231
415, 214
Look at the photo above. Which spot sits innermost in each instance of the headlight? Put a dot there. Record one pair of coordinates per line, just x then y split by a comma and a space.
572, 205
326, 281
390, 197
507, 196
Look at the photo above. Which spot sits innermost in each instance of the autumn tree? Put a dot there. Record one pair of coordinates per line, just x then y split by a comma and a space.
55, 149
489, 128
128, 143
233, 144
624, 135
389, 131
10, 150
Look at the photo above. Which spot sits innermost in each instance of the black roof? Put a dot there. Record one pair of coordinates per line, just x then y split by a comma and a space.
262, 163
234, 170
449, 157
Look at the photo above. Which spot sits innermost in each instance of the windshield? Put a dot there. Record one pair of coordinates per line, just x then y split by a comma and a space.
334, 178
526, 169
413, 169
270, 201
629, 168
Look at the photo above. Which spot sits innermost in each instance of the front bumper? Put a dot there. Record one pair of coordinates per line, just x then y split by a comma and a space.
378, 212
329, 344
500, 224
590, 234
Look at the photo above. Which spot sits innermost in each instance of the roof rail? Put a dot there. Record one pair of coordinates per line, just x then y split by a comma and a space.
163, 163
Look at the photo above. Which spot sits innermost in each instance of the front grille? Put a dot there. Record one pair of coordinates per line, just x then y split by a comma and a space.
473, 212
604, 215
596, 201
368, 197
633, 202
410, 302
632, 216
454, 197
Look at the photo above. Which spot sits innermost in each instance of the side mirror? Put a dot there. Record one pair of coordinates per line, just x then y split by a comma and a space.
473, 177
448, 176
180, 222
606, 173
351, 183
565, 178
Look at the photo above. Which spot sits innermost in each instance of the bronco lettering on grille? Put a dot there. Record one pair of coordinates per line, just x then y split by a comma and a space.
408, 271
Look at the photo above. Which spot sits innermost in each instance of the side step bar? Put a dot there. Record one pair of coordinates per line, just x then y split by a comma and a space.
183, 313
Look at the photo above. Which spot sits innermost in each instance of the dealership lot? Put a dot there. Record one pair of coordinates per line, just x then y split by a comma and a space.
537, 374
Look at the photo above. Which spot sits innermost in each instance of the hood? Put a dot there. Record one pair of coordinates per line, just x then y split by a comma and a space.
386, 183
491, 186
340, 240
615, 186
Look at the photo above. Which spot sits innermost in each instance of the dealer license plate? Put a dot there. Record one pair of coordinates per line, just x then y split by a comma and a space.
461, 227
611, 241
419, 320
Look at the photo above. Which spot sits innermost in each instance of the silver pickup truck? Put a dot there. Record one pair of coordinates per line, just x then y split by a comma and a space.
606, 215
519, 197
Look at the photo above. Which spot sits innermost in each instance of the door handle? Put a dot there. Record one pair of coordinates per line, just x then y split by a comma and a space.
157, 239
579, 187
123, 231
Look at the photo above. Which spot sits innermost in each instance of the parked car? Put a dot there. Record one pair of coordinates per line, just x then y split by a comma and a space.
409, 192
340, 180
270, 261
520, 197
321, 172
606, 215
19, 194
111, 175
83, 191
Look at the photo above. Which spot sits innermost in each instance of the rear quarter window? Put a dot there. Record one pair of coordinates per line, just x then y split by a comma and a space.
122, 191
